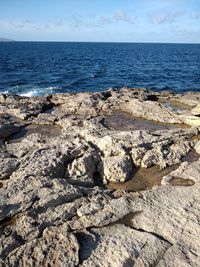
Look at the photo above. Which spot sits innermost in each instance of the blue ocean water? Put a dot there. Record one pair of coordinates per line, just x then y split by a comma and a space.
37, 68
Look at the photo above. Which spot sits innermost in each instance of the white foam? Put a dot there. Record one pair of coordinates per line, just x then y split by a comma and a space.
4, 92
39, 91
33, 92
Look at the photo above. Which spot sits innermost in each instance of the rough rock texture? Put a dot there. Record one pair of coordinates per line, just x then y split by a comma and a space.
116, 168
53, 248
197, 147
115, 244
8, 125
196, 110
58, 158
144, 109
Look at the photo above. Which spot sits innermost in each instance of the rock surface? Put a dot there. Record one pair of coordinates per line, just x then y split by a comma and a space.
58, 155
196, 110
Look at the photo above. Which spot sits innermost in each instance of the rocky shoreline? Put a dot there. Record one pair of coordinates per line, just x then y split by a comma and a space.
100, 179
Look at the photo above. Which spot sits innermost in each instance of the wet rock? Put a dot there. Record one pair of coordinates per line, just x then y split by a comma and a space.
123, 121
46, 131
176, 181
185, 171
7, 130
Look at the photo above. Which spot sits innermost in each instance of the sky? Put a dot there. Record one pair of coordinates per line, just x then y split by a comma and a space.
166, 21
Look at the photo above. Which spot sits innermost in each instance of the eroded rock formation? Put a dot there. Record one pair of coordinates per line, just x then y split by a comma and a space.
100, 179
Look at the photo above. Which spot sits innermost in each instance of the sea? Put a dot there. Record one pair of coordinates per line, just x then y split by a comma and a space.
40, 68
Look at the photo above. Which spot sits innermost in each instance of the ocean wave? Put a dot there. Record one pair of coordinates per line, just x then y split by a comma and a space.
34, 92
4, 92
29, 91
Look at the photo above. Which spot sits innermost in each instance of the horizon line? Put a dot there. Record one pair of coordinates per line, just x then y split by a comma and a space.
117, 42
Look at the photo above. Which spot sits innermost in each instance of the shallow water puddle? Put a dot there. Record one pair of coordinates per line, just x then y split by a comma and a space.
123, 121
147, 178
144, 178
196, 137
191, 156
177, 181
44, 130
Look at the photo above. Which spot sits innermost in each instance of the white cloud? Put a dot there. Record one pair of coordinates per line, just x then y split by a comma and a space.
163, 18
195, 15
105, 20
122, 16
28, 26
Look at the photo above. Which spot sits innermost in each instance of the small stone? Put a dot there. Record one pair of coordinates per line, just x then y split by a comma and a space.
116, 169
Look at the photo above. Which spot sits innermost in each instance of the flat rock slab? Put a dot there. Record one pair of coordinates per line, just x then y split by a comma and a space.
120, 245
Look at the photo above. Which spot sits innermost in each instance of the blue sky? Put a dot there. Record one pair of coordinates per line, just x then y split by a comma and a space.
101, 20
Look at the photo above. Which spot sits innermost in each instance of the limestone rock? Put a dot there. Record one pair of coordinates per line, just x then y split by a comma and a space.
150, 110
171, 213
197, 147
8, 126
54, 208
100, 211
116, 168
185, 171
44, 162
191, 120
26, 145
190, 98
120, 246
196, 110
76, 103
52, 249
137, 154
164, 156
7, 165
44, 119
23, 107
82, 169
